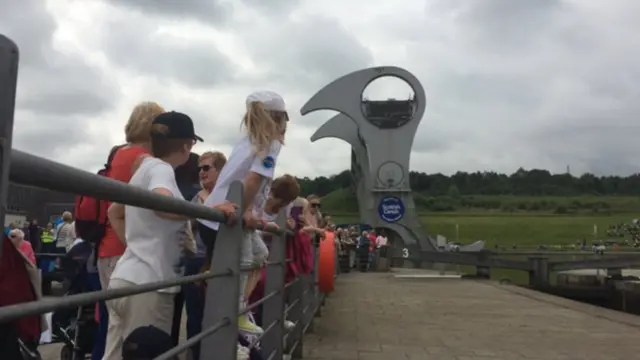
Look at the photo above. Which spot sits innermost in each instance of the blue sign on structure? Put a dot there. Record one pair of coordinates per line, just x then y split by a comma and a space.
391, 209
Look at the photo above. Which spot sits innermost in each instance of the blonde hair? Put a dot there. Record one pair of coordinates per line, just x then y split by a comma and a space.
217, 159
300, 201
67, 217
138, 128
264, 126
310, 219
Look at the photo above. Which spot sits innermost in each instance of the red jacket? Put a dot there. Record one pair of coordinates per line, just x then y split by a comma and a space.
15, 288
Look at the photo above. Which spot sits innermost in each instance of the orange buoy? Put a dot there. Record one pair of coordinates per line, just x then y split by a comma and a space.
327, 262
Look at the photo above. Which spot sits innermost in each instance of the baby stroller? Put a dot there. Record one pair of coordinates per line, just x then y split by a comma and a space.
76, 327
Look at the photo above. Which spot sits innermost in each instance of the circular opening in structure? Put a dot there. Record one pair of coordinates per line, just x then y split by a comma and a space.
388, 102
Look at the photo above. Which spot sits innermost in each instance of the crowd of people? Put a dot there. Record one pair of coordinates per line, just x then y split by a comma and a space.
54, 238
363, 248
141, 246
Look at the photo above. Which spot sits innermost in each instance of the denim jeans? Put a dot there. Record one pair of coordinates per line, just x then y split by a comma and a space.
100, 336
194, 302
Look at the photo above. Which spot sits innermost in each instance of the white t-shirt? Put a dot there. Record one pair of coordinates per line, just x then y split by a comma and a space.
241, 162
65, 235
153, 252
273, 217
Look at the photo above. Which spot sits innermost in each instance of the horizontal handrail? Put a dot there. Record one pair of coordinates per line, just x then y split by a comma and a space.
42, 306
36, 171
184, 346
602, 263
12, 312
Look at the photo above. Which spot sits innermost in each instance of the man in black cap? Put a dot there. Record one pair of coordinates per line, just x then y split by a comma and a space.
153, 252
146, 343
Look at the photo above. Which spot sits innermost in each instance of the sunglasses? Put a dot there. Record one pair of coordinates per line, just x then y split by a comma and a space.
316, 205
205, 168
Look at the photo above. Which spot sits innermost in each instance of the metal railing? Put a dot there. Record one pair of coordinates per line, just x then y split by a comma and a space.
298, 301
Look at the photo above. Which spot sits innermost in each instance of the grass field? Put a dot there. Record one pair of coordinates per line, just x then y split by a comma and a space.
344, 201
505, 230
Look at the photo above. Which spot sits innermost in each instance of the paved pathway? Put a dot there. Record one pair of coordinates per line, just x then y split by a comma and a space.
375, 316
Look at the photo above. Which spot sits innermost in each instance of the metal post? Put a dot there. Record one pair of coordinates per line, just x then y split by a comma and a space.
317, 297
539, 273
296, 314
273, 309
222, 296
308, 307
483, 272
9, 58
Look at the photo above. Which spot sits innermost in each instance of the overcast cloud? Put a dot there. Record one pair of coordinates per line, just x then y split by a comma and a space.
542, 84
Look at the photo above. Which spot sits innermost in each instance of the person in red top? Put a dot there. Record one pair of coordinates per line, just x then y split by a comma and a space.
138, 136
372, 250
17, 238
137, 132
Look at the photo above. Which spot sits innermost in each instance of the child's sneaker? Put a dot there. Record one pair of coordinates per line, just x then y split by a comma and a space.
246, 326
289, 325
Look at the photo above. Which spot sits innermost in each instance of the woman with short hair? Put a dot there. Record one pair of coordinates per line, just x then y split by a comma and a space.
65, 233
209, 166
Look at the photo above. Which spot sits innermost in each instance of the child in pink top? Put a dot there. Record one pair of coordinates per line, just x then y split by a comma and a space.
17, 238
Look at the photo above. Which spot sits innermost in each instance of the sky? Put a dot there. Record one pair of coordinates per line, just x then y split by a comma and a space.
509, 83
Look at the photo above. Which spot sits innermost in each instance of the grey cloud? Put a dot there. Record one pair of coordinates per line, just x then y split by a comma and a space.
605, 148
502, 24
211, 12
65, 139
554, 80
134, 45
48, 80
309, 53
53, 88
275, 8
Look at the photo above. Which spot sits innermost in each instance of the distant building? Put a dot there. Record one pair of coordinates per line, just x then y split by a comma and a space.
28, 202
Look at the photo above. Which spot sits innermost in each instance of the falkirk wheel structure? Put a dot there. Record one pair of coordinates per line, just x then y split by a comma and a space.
381, 135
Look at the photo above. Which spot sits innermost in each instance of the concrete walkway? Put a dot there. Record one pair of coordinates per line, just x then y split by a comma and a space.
375, 316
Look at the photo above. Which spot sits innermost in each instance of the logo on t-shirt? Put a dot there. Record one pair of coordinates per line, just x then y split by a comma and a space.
268, 162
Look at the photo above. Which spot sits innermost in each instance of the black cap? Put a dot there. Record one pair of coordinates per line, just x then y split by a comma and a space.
146, 342
180, 125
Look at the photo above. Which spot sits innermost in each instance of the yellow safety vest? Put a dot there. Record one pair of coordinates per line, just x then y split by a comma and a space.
47, 237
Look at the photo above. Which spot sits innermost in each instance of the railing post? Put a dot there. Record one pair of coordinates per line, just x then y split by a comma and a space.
614, 272
307, 302
539, 273
222, 294
318, 299
273, 309
483, 272
9, 58
296, 314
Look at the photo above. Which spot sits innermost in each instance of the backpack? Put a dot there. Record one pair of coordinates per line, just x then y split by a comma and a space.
90, 213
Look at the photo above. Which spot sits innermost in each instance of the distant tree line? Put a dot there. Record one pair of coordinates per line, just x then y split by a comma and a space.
523, 182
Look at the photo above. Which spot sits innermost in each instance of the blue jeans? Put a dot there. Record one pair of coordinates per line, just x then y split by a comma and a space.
100, 336
194, 302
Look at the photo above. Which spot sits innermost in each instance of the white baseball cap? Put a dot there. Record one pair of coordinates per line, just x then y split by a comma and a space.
271, 100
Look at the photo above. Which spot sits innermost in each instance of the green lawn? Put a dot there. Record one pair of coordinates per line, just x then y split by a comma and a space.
524, 230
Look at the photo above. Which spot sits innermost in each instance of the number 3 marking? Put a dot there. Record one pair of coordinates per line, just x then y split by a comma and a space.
405, 253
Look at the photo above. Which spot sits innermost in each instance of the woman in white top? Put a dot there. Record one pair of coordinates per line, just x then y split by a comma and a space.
65, 233
252, 161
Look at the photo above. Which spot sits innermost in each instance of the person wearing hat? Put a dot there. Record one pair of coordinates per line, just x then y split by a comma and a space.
152, 252
253, 161
146, 343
